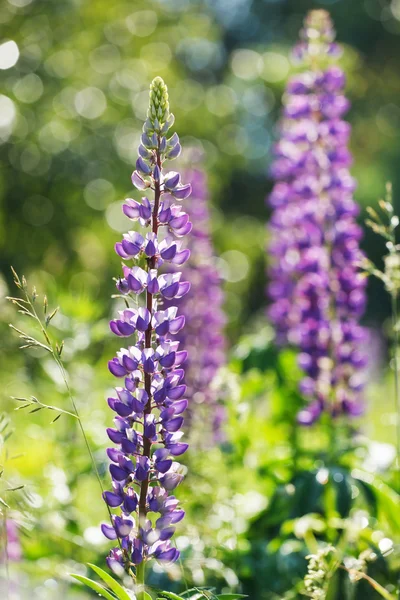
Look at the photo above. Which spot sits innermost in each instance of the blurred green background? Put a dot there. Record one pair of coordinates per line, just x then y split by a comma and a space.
74, 77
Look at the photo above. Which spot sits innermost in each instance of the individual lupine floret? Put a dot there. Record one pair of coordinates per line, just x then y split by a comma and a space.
317, 289
203, 335
150, 400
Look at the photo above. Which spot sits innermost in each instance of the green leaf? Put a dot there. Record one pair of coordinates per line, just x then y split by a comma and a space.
207, 594
194, 593
111, 582
386, 498
4, 503
168, 596
146, 596
96, 587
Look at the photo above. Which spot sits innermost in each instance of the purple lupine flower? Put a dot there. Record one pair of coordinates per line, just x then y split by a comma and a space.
149, 400
12, 547
317, 290
202, 336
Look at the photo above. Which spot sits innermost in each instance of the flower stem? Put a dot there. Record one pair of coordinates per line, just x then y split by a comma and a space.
140, 580
57, 359
396, 382
373, 583
147, 381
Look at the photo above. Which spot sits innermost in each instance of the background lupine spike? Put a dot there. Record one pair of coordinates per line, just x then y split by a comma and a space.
203, 335
318, 24
316, 286
317, 38
158, 103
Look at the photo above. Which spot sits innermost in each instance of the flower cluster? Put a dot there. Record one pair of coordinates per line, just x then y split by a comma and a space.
150, 401
317, 290
318, 570
203, 335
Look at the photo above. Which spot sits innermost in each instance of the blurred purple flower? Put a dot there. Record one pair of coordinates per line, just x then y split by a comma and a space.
317, 290
13, 545
202, 337
150, 401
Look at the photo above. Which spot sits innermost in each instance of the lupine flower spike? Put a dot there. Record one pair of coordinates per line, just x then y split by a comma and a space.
317, 290
202, 336
149, 401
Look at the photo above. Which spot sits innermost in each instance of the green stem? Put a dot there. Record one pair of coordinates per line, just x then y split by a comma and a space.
332, 432
294, 445
72, 400
373, 583
63, 372
140, 579
396, 382
311, 542
144, 486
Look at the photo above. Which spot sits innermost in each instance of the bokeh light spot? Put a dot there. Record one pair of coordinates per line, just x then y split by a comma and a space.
98, 193
235, 265
115, 217
385, 545
7, 111
188, 94
199, 53
140, 103
221, 100
133, 74
61, 64
28, 89
395, 8
55, 136
105, 59
233, 139
276, 67
117, 33
246, 64
142, 23
157, 55
126, 139
174, 5
90, 103
258, 100
20, 3
9, 54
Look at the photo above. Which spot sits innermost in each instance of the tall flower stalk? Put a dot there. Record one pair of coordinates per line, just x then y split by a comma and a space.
385, 224
317, 290
150, 402
202, 337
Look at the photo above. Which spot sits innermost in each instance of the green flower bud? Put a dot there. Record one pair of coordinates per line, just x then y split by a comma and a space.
158, 111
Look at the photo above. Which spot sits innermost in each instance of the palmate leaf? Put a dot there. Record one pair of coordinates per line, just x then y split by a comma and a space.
116, 587
93, 585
